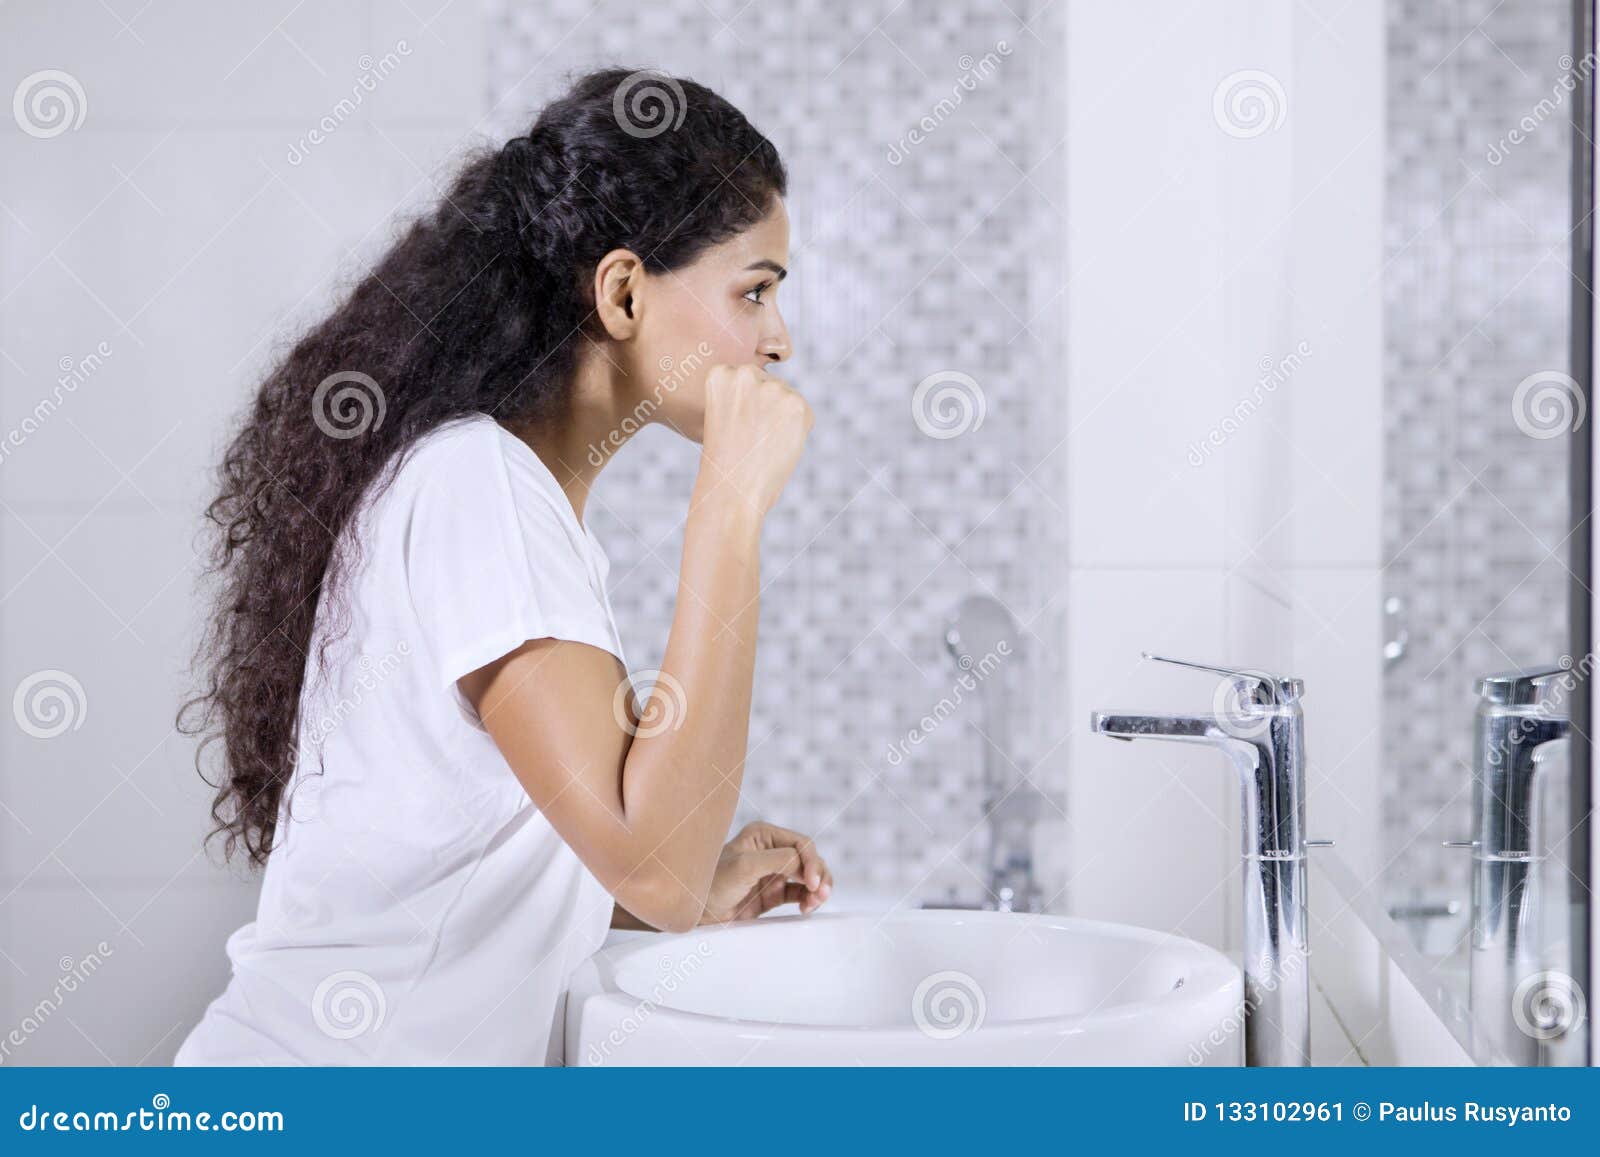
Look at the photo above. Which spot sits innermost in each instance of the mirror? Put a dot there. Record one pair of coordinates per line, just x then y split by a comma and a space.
1485, 549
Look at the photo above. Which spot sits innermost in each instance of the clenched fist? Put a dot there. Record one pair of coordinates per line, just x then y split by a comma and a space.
755, 429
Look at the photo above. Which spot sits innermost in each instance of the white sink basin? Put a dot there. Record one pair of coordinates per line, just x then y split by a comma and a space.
908, 987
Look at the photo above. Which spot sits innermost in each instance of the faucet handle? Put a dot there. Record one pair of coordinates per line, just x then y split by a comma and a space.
1272, 690
1536, 687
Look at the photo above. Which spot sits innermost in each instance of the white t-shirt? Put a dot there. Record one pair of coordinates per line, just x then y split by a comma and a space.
418, 907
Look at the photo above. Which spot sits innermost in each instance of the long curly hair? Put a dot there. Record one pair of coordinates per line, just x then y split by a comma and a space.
482, 305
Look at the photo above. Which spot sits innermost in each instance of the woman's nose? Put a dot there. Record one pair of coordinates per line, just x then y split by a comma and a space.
775, 346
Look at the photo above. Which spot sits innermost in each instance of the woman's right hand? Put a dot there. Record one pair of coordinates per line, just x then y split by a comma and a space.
755, 429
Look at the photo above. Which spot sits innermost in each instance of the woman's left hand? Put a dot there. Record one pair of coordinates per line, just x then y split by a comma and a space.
765, 866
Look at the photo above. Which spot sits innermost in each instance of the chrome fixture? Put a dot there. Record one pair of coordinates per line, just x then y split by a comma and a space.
1425, 910
982, 638
1436, 924
1394, 647
1519, 712
1258, 725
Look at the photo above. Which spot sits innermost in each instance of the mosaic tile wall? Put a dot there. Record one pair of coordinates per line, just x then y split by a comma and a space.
1476, 299
906, 261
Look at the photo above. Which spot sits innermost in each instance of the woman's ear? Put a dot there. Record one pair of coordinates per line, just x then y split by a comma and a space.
618, 280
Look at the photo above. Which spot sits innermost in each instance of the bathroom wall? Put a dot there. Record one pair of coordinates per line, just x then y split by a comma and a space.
232, 171
1224, 197
153, 258
1069, 233
926, 205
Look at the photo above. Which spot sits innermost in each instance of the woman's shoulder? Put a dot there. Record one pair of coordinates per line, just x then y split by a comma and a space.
473, 457
464, 453
450, 462
458, 436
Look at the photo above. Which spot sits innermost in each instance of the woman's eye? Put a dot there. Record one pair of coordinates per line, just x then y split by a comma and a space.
755, 294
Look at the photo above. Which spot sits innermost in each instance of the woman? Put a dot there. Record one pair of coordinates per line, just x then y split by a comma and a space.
468, 794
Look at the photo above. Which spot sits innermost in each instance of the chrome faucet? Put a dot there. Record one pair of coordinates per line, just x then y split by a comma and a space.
1259, 726
1518, 714
981, 637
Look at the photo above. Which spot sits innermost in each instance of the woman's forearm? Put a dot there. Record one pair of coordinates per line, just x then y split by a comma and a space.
681, 777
